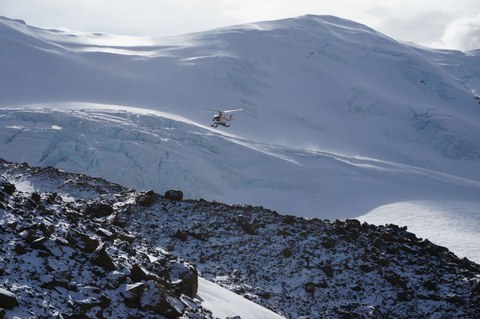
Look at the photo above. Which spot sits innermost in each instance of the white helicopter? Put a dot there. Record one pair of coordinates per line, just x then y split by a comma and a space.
221, 119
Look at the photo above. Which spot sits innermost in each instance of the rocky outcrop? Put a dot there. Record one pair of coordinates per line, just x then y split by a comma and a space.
79, 249
119, 254
174, 195
147, 199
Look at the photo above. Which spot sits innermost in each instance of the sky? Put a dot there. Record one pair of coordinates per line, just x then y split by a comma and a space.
452, 24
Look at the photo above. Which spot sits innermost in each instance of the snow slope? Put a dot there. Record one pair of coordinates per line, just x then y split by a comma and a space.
338, 119
224, 303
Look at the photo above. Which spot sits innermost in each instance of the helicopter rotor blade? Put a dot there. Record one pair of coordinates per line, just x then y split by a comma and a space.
234, 110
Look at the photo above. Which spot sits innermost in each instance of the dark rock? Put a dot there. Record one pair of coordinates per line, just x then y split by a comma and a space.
120, 220
184, 278
157, 299
328, 242
81, 307
20, 249
36, 198
356, 288
82, 241
290, 220
339, 227
8, 300
404, 296
105, 233
388, 237
126, 237
132, 294
52, 198
182, 235
199, 231
383, 262
430, 285
137, 273
328, 270
469, 265
174, 194
31, 236
7, 187
456, 299
309, 287
147, 199
395, 280
366, 268
476, 289
47, 229
264, 294
250, 228
352, 224
98, 210
59, 278
12, 225
102, 258
39, 243
287, 253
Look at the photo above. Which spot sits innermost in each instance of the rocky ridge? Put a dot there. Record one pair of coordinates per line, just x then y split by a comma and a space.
74, 257
79, 247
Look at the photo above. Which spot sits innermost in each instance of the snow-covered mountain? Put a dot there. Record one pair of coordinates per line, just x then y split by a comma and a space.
78, 247
339, 120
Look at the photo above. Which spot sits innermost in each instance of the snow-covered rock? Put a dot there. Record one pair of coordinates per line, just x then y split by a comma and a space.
295, 267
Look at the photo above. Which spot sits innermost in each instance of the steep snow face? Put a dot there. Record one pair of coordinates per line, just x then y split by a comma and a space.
338, 119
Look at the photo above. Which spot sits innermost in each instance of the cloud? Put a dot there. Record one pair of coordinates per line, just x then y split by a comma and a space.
463, 33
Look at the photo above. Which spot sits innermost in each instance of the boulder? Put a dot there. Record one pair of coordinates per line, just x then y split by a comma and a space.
8, 300
47, 228
20, 249
328, 242
40, 243
199, 231
174, 195
36, 198
476, 289
138, 273
147, 199
132, 293
182, 235
309, 287
82, 241
328, 270
157, 299
97, 210
102, 258
183, 278
81, 307
7, 187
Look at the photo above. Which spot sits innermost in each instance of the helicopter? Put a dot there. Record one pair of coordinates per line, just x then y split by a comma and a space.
222, 119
